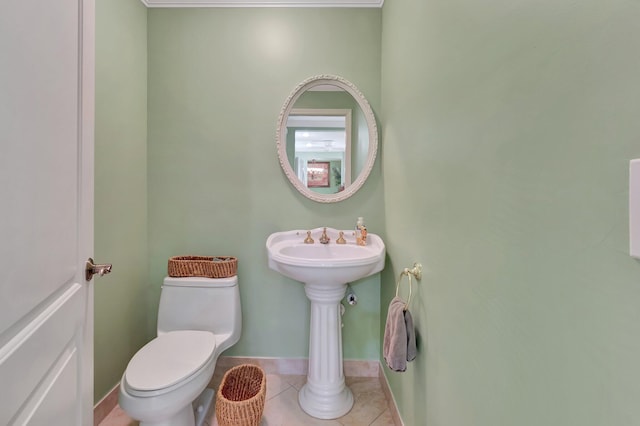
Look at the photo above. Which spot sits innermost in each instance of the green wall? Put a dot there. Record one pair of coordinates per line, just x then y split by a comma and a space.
507, 131
121, 299
218, 79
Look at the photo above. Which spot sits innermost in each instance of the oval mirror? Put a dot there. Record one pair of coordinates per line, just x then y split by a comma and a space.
327, 138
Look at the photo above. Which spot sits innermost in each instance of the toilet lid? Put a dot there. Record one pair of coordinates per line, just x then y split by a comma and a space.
169, 359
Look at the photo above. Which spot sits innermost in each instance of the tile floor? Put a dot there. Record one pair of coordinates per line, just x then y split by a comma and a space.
281, 407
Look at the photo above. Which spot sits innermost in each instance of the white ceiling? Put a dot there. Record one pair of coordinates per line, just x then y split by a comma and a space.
263, 3
318, 140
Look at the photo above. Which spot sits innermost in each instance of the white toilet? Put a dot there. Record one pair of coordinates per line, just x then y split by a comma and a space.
165, 381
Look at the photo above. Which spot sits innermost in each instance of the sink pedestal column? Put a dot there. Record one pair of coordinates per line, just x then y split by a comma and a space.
325, 395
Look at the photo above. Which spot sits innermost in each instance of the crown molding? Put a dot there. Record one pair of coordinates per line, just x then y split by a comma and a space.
263, 3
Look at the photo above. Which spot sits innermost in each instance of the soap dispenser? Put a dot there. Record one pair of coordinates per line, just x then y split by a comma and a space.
361, 232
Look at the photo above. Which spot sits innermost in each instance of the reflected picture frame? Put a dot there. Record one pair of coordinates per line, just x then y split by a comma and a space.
318, 174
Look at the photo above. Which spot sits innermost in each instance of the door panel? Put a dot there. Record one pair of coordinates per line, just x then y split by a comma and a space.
46, 212
39, 166
44, 341
57, 402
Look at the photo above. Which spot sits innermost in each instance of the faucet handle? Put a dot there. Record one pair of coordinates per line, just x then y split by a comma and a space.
341, 239
324, 238
308, 240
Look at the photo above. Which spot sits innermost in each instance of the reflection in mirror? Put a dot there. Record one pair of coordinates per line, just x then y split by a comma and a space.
317, 135
327, 138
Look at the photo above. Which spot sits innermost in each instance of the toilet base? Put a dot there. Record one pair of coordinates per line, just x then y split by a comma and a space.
201, 406
183, 417
193, 414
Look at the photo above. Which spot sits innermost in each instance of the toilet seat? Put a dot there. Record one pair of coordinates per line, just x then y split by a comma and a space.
168, 360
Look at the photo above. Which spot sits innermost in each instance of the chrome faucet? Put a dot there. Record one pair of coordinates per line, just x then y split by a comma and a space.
324, 238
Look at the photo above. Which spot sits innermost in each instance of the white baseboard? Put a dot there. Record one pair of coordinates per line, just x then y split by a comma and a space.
105, 405
393, 407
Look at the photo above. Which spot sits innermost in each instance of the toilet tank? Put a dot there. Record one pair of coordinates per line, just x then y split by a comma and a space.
196, 303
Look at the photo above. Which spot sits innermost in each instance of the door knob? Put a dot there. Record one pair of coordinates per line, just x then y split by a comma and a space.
100, 269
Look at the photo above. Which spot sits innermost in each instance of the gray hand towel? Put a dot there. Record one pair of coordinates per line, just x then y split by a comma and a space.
394, 346
412, 351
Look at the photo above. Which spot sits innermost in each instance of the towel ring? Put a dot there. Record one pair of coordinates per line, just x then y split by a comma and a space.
416, 271
406, 304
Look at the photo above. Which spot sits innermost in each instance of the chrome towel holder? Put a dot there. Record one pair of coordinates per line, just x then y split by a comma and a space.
416, 271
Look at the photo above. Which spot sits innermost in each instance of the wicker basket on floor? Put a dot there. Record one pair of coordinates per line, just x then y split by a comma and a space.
240, 397
203, 266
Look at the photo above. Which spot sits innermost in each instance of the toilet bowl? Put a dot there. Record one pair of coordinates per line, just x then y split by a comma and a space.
165, 382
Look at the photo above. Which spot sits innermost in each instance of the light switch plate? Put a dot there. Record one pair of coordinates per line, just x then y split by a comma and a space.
634, 208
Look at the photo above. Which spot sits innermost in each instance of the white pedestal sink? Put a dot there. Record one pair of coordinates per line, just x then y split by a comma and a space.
325, 270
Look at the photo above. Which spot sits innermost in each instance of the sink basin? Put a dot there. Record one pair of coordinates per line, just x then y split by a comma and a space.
329, 264
325, 270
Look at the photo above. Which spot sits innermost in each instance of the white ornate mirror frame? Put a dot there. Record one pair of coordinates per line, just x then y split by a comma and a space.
281, 139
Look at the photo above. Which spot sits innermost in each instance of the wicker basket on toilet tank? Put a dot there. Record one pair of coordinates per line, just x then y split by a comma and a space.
202, 266
240, 397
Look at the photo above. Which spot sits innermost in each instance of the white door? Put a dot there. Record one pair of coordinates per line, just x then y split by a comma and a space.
46, 211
